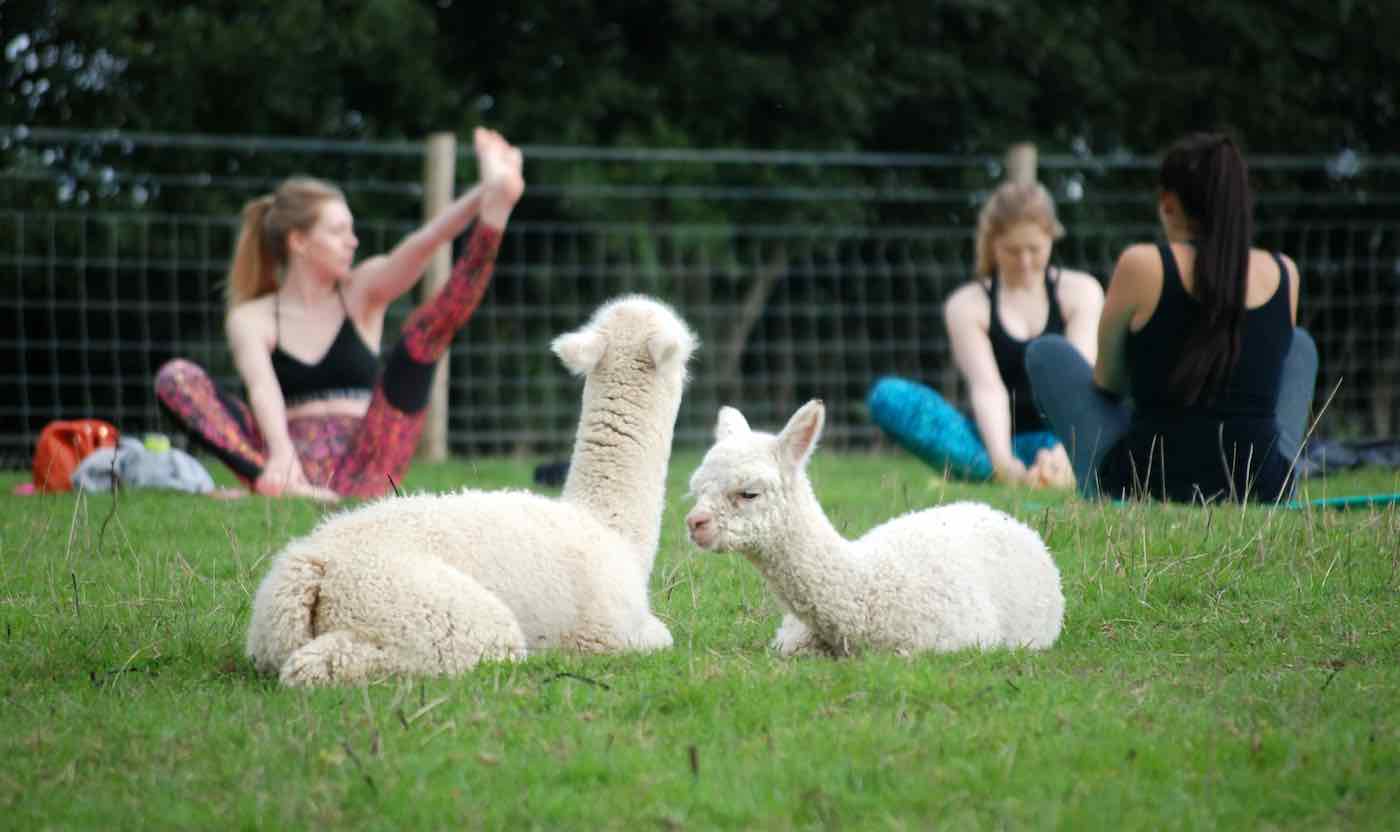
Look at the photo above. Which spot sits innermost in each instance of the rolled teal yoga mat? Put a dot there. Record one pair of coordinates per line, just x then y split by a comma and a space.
1344, 503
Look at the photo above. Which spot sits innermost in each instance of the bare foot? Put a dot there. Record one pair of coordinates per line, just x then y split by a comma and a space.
500, 166
314, 492
271, 485
1052, 469
228, 493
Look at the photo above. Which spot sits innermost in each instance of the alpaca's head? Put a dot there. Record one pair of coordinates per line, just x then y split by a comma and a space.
629, 334
747, 486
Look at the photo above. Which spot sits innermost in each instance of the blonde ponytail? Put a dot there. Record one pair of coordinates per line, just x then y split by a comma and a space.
254, 270
261, 251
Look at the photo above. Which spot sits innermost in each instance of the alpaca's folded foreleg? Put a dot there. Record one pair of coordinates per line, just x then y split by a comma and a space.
795, 638
338, 657
653, 635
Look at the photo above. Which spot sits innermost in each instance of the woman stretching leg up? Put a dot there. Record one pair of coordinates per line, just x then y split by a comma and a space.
304, 323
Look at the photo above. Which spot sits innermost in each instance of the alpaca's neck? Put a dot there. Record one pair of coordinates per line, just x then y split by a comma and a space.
621, 453
812, 567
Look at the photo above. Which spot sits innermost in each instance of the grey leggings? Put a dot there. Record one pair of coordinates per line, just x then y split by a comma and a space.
1091, 422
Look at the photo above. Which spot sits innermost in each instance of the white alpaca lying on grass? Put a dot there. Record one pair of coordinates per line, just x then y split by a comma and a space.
946, 578
431, 584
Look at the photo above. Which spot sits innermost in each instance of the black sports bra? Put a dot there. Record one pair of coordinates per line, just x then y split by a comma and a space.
348, 369
1010, 354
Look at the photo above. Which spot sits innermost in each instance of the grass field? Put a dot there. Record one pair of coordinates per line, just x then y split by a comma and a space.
1219, 667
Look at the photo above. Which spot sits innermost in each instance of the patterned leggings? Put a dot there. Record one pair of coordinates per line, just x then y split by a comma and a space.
353, 456
939, 434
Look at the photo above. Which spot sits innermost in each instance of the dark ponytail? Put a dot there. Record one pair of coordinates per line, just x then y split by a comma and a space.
1208, 175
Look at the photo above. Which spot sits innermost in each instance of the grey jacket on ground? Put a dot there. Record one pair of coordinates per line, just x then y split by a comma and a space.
138, 467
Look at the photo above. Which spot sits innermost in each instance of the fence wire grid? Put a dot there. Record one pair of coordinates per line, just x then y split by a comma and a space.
806, 275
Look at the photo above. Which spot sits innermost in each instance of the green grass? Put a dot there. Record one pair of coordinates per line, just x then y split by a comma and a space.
1219, 668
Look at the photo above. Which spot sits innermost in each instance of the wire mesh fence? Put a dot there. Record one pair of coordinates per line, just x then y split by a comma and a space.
805, 274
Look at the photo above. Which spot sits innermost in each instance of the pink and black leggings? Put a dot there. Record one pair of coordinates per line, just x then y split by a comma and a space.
353, 456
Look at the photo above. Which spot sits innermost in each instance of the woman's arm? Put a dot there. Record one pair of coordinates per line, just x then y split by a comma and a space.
1081, 301
1294, 286
967, 316
1121, 303
384, 278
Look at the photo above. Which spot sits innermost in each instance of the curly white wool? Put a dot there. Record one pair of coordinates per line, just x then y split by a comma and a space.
942, 579
432, 584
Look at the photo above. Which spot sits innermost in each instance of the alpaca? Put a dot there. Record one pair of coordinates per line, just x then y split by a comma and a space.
431, 584
942, 579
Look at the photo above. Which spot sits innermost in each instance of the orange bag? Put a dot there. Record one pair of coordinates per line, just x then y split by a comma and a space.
62, 445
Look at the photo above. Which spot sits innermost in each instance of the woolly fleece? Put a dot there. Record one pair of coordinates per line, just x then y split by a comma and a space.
431, 584
942, 579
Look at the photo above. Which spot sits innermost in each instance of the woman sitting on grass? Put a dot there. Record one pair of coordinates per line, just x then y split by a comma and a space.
1199, 332
1016, 296
323, 419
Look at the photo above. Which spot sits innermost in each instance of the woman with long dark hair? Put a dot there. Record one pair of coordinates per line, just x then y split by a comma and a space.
1198, 335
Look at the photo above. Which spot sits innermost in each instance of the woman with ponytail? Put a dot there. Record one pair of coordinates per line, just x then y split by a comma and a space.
1203, 383
1016, 294
323, 417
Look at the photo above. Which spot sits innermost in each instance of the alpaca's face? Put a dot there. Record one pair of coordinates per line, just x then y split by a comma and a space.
739, 495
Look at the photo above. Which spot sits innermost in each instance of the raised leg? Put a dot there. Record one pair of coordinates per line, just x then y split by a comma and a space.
389, 434
387, 437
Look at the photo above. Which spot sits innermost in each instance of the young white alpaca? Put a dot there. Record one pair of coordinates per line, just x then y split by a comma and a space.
960, 575
432, 584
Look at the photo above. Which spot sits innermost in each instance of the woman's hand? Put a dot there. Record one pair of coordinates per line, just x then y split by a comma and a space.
1010, 471
1052, 469
284, 477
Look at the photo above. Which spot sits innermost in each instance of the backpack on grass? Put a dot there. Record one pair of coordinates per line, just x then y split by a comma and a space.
64, 444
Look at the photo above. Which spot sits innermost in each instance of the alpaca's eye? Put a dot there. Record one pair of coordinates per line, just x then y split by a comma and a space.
746, 496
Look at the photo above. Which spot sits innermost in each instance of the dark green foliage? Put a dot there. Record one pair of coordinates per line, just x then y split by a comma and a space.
963, 76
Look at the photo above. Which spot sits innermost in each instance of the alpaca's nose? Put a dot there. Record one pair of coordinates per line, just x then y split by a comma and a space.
702, 528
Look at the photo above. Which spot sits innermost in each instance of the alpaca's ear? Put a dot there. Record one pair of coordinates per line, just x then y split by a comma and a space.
580, 350
799, 437
730, 423
666, 347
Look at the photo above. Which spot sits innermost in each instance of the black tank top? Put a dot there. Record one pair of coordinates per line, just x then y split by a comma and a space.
1010, 355
349, 368
1220, 447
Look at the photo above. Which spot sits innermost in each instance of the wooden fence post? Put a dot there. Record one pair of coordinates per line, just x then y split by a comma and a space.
1021, 163
439, 170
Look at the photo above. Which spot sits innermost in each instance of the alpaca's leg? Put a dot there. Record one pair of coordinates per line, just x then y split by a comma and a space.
653, 635
795, 638
394, 615
608, 632
338, 657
